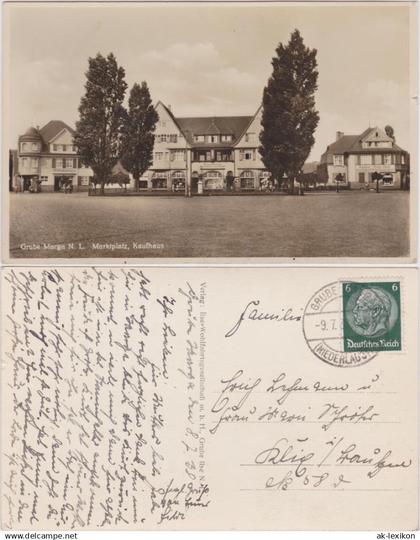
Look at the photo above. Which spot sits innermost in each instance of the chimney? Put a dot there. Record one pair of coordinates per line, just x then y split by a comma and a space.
338, 135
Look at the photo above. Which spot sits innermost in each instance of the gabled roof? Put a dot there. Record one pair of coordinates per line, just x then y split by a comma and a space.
53, 128
216, 125
343, 144
352, 144
252, 118
168, 110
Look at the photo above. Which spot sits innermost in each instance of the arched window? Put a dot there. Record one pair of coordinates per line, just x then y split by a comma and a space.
178, 180
213, 180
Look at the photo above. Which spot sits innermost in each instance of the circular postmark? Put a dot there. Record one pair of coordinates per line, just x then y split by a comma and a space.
323, 328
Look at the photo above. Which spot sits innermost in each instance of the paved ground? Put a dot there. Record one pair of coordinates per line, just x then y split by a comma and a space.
355, 224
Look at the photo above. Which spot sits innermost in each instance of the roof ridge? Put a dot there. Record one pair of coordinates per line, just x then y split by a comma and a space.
214, 117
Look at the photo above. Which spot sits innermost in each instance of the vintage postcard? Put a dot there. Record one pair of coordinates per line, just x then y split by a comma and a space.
179, 132
219, 398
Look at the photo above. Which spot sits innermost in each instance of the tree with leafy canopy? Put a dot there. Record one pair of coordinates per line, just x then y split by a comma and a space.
139, 127
101, 115
389, 130
289, 117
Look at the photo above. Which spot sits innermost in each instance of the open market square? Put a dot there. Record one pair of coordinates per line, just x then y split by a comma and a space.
328, 224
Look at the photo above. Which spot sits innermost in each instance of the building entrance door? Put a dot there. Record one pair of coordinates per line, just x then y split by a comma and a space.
26, 182
194, 185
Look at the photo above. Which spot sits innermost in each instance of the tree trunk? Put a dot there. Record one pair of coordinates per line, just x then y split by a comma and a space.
102, 192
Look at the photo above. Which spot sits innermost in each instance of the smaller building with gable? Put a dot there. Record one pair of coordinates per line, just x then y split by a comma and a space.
357, 161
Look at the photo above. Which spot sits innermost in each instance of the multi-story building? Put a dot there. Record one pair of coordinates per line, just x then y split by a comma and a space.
50, 156
353, 160
206, 153
203, 153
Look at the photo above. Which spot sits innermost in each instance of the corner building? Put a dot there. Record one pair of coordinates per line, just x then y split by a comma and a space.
48, 154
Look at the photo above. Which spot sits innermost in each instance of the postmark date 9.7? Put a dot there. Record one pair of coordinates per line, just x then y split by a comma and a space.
328, 324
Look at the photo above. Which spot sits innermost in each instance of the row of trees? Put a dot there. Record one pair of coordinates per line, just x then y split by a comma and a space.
106, 131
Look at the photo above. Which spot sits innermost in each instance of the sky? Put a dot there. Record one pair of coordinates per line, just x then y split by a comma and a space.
210, 60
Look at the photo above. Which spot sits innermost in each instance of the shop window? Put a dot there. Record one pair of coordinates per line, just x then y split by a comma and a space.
159, 183
247, 180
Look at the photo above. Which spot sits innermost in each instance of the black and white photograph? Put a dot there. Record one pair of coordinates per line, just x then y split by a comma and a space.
215, 131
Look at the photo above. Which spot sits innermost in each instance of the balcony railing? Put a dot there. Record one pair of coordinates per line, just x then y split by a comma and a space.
212, 158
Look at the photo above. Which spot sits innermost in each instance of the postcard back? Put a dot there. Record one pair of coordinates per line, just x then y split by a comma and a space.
209, 399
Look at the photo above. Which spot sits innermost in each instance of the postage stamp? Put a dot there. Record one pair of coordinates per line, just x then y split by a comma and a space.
371, 316
323, 329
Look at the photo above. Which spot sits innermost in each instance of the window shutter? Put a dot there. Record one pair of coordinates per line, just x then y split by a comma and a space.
53, 163
64, 163
74, 163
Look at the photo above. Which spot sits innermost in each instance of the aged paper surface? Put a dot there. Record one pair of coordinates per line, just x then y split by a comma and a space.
207, 78
209, 398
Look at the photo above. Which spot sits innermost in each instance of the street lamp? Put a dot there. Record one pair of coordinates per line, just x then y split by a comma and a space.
338, 178
301, 188
284, 177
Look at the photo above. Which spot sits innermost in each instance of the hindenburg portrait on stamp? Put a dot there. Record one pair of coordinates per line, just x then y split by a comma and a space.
372, 312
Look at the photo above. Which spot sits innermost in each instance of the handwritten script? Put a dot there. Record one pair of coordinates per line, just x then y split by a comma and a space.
104, 372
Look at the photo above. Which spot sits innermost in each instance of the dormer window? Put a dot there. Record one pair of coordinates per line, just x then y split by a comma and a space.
198, 138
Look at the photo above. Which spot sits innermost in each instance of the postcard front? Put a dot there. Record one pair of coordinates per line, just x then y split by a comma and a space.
209, 399
182, 127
